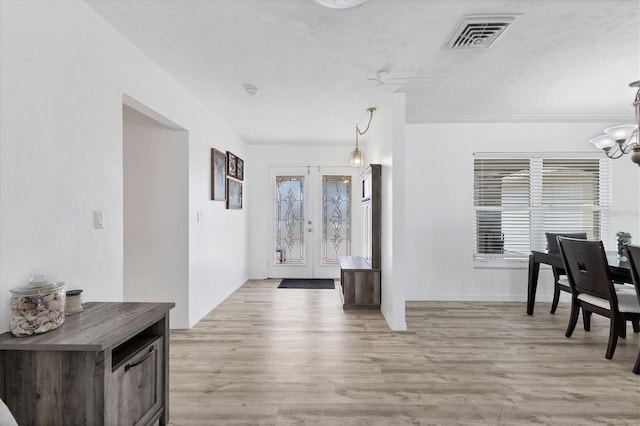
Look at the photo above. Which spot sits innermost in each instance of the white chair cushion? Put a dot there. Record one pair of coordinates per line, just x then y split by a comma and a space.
592, 300
618, 287
625, 287
627, 301
6, 418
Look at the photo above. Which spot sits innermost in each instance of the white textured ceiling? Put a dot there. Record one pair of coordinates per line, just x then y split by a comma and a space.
562, 60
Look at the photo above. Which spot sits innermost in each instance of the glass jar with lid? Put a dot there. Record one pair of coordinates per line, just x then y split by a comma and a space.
36, 308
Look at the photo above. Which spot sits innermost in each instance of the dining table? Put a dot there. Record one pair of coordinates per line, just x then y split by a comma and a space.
619, 272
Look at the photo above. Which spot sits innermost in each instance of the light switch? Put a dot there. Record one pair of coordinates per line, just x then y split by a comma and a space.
98, 219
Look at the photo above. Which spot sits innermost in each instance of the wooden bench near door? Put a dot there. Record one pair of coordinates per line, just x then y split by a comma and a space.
360, 276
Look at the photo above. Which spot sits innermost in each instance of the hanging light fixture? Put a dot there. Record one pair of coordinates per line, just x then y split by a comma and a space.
356, 154
620, 140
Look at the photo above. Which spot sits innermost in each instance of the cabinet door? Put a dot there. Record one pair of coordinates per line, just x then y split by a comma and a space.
366, 230
137, 385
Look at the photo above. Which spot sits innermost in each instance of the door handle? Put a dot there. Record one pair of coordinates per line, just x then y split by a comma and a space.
140, 361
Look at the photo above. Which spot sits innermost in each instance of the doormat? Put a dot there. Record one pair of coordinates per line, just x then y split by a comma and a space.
314, 283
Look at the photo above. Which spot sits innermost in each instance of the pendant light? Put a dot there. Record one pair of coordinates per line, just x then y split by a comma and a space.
356, 154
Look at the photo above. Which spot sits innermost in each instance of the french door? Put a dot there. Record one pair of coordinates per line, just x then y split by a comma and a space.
311, 220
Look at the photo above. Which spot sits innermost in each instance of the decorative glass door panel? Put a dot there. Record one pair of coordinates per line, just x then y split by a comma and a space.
336, 218
290, 217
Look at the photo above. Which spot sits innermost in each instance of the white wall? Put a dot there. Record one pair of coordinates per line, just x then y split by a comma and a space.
439, 205
387, 147
156, 213
63, 74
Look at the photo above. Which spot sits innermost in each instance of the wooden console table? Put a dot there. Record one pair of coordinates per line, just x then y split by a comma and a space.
108, 365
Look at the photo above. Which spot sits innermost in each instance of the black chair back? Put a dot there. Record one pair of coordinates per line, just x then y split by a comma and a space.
587, 268
552, 240
634, 263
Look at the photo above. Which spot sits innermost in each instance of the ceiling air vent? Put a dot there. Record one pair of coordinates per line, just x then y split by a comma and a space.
479, 31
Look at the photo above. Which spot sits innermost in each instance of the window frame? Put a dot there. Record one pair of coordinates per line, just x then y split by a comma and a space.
535, 208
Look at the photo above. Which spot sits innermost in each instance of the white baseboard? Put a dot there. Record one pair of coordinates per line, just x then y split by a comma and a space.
178, 325
489, 298
194, 318
394, 325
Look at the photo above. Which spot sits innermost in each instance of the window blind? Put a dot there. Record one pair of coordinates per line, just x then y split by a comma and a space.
518, 199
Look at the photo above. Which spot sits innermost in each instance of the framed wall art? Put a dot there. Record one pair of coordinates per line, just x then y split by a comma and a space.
239, 168
218, 175
234, 194
231, 164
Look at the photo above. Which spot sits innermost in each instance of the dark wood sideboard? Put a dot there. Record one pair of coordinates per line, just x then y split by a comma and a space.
108, 365
360, 276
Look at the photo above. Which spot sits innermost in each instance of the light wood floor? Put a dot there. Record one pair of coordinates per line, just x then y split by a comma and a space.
269, 356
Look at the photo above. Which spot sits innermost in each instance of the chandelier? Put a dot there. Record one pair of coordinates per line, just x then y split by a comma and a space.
620, 140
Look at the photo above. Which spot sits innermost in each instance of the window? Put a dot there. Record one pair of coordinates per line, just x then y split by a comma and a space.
517, 198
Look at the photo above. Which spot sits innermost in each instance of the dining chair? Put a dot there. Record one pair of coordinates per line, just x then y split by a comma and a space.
634, 263
560, 282
592, 289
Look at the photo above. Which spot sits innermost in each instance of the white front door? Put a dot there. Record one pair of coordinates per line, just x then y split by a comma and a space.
311, 223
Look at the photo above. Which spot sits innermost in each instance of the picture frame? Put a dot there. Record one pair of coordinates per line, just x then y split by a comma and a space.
239, 168
218, 175
234, 194
231, 164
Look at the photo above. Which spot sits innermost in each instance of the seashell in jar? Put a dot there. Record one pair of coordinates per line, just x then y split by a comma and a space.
18, 331
27, 325
27, 305
42, 319
49, 297
45, 327
28, 316
27, 312
54, 305
37, 308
